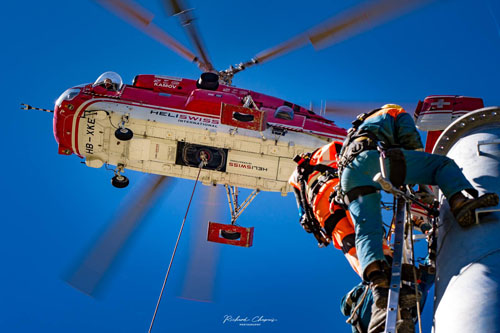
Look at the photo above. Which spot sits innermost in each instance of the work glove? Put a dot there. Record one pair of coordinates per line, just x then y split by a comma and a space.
425, 197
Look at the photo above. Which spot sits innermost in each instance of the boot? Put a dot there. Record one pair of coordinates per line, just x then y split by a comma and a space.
407, 297
406, 324
464, 208
380, 288
377, 320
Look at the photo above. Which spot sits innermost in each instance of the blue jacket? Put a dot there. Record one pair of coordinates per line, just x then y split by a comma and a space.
394, 126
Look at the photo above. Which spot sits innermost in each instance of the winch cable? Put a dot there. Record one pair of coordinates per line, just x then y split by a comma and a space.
202, 163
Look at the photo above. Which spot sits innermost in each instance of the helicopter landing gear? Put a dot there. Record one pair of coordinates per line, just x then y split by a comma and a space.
119, 180
123, 133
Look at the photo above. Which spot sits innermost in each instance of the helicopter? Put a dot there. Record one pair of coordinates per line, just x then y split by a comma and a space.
172, 126
164, 125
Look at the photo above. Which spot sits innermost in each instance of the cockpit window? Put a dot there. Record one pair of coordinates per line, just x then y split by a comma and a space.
68, 95
109, 80
284, 112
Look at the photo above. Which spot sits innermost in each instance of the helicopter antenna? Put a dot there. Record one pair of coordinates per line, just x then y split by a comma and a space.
29, 107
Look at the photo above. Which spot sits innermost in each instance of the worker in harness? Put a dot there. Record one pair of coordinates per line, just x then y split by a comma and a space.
314, 181
390, 131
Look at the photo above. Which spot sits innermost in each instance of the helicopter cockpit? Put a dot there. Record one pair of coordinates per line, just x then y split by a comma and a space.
110, 81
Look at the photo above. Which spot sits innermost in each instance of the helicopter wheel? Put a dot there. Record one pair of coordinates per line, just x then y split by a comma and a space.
119, 181
124, 134
232, 235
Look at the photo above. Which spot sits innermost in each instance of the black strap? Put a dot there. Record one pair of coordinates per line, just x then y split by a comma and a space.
358, 192
348, 242
338, 147
310, 219
305, 169
473, 192
322, 168
362, 117
397, 165
353, 147
353, 133
332, 221
317, 184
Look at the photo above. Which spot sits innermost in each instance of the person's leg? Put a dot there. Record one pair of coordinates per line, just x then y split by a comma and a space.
430, 169
367, 218
365, 210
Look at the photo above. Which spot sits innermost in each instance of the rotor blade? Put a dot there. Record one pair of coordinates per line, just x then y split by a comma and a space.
141, 18
93, 268
338, 27
352, 109
201, 269
176, 7
346, 109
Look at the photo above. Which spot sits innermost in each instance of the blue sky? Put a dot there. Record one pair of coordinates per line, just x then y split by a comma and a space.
54, 207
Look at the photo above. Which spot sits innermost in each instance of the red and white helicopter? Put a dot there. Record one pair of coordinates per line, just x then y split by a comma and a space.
163, 125
172, 126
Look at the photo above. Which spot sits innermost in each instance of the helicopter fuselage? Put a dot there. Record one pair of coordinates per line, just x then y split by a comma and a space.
247, 143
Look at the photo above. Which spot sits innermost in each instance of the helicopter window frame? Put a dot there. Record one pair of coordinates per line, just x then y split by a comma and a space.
284, 112
116, 81
67, 95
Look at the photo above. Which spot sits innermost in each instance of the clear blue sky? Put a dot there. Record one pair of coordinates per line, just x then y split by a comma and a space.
54, 207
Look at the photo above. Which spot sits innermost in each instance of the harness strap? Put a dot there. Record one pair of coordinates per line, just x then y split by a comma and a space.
303, 164
318, 183
321, 168
397, 165
358, 192
332, 221
357, 143
348, 242
473, 192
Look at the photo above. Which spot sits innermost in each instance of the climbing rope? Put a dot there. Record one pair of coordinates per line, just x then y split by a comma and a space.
202, 163
355, 310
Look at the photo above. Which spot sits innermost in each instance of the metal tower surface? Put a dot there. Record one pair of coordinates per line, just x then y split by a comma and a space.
467, 291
